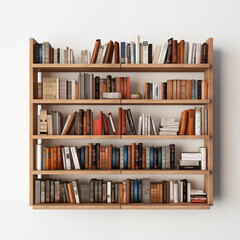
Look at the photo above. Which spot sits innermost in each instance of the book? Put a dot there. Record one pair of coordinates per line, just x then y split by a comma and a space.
95, 51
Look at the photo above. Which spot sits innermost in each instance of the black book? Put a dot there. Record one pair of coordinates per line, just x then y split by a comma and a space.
109, 86
204, 53
100, 191
131, 191
116, 193
137, 159
84, 193
97, 155
189, 167
117, 158
164, 191
140, 191
164, 90
92, 190
81, 113
63, 194
113, 193
52, 195
155, 152
149, 53
58, 55
94, 158
113, 85
169, 51
36, 53
184, 190
172, 156
148, 90
97, 87
199, 91
140, 151
131, 122
48, 192
151, 91
128, 53
96, 191
37, 197
66, 192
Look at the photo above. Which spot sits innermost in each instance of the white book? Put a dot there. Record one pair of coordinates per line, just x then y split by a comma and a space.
198, 54
69, 116
67, 158
163, 157
197, 121
64, 159
156, 53
194, 53
190, 53
175, 194
148, 125
131, 50
55, 56
103, 53
145, 52
140, 125
153, 127
156, 91
137, 49
203, 152
189, 192
167, 133
89, 57
188, 163
147, 157
143, 124
75, 158
153, 91
73, 89
109, 192
195, 156
171, 191
100, 52
79, 85
76, 193
167, 120
121, 158
39, 157
169, 129
163, 53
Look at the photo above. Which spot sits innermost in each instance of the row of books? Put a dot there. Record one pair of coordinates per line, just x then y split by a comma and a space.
194, 122
176, 89
95, 156
142, 52
125, 192
168, 126
45, 53
86, 87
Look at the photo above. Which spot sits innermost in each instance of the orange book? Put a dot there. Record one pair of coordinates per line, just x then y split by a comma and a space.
71, 193
67, 50
191, 122
88, 121
120, 200
174, 89
128, 88
51, 149
161, 193
59, 158
128, 191
146, 91
104, 85
95, 51
106, 158
181, 50
120, 121
183, 122
169, 89
55, 161
144, 159
110, 157
86, 157
84, 123
133, 155
48, 158
205, 90
76, 91
123, 122
178, 53
90, 155
124, 88
129, 157
118, 84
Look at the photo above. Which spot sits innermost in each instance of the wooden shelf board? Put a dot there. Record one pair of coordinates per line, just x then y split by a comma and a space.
164, 137
163, 102
121, 172
164, 67
77, 67
121, 206
63, 137
77, 102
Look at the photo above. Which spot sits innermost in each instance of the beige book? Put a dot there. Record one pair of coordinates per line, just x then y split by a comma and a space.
157, 53
49, 125
54, 88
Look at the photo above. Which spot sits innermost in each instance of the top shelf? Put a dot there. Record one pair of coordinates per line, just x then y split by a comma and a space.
121, 67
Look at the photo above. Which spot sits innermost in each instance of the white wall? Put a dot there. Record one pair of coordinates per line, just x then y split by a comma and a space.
78, 24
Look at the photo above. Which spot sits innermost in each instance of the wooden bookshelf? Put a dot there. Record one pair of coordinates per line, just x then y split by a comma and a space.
207, 69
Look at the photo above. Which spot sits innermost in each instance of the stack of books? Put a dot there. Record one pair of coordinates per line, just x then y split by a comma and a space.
168, 126
198, 196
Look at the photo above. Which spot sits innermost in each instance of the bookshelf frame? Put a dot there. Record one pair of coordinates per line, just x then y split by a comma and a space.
207, 69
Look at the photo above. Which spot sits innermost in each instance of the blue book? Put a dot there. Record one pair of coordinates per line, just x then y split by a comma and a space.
151, 157
135, 190
40, 53
193, 89
114, 157
123, 45
82, 157
125, 157
160, 157
134, 53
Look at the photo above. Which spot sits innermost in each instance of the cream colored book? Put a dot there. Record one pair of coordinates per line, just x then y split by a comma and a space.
157, 53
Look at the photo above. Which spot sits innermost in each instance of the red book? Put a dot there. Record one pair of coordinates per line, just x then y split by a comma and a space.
96, 127
125, 88
128, 88
123, 122
105, 125
100, 123
59, 158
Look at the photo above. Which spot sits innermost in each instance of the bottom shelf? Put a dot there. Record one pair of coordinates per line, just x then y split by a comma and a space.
122, 206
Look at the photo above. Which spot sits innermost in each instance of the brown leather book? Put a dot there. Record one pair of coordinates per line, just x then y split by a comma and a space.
161, 193
67, 50
129, 157
120, 121
183, 89
205, 90
191, 122
181, 50
178, 53
124, 88
187, 89
190, 89
101, 158
174, 89
183, 122
144, 159
178, 89
174, 52
86, 157
116, 52
55, 161
133, 155
90, 155
95, 51
84, 123
105, 124
109, 53
120, 200
158, 193
169, 89
152, 193
110, 156
59, 157
118, 84
51, 159
70, 124
146, 91
106, 158
51, 55
88, 121
48, 158
71, 193
123, 122
128, 190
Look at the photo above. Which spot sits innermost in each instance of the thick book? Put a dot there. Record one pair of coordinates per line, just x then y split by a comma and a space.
116, 52
95, 51
109, 53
